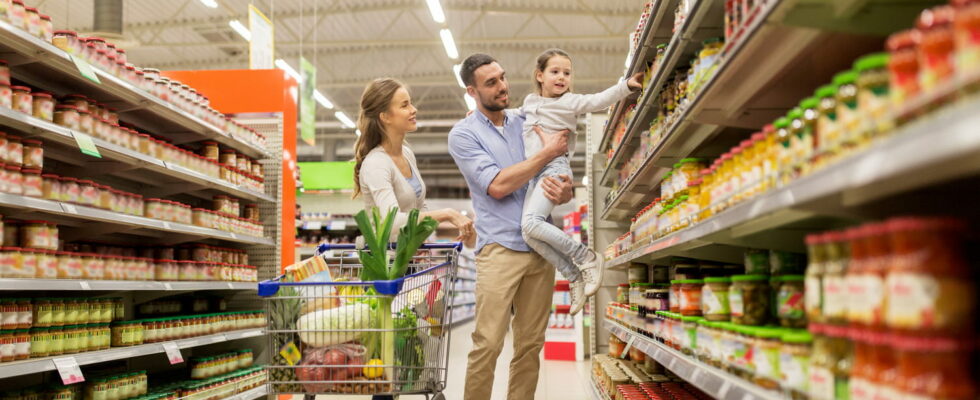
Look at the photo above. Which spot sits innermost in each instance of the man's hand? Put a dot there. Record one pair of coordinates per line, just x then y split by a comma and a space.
554, 144
559, 191
636, 81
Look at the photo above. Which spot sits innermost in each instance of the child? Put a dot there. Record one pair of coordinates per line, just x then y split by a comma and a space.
554, 108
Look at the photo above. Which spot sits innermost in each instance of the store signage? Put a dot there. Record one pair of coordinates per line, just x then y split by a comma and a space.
85, 144
261, 49
85, 68
69, 370
307, 105
173, 353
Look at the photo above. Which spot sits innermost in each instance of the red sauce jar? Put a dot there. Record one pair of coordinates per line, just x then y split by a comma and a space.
903, 66
935, 368
936, 47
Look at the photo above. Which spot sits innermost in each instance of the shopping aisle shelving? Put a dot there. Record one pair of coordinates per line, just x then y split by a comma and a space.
597, 391
33, 366
109, 285
251, 394
717, 383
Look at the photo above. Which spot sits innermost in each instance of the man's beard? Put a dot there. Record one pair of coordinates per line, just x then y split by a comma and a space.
494, 107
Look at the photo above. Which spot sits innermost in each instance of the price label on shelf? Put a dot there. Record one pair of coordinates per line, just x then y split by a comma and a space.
629, 344
85, 285
173, 353
69, 370
69, 208
234, 236
725, 388
231, 285
85, 144
85, 68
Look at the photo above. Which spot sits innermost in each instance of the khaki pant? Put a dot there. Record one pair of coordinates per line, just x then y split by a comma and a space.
506, 279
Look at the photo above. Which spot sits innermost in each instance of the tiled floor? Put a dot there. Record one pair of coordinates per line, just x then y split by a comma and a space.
559, 380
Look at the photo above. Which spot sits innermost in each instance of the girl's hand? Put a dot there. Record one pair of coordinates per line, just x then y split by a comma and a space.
636, 81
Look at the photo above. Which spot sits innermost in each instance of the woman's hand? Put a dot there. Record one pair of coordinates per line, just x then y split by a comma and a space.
463, 223
636, 81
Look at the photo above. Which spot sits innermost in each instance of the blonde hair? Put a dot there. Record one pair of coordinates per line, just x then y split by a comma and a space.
542, 63
375, 100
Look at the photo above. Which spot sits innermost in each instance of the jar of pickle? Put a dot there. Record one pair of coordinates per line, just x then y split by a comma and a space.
790, 301
847, 111
827, 128
872, 96
57, 343
749, 299
830, 363
40, 342
57, 312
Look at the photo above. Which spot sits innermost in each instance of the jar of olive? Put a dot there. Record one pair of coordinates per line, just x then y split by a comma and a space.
749, 299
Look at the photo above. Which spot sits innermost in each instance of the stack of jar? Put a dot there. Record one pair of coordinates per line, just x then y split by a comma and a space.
620, 246
209, 367
67, 326
895, 303
222, 386
117, 387
657, 391
226, 222
174, 328
72, 190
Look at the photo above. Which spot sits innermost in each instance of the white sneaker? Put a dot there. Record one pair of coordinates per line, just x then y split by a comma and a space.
576, 291
592, 275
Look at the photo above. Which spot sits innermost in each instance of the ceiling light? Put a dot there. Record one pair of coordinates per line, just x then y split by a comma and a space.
241, 29
320, 98
344, 119
585, 180
436, 10
459, 79
289, 70
210, 3
470, 103
449, 44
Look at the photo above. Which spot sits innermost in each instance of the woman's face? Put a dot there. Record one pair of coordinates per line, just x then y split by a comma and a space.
400, 116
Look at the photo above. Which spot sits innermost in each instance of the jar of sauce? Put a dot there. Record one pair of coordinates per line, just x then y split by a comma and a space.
23, 101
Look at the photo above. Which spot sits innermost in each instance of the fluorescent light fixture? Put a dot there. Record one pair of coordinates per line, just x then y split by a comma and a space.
210, 3
344, 119
585, 180
459, 80
320, 98
470, 103
289, 70
241, 29
449, 44
436, 10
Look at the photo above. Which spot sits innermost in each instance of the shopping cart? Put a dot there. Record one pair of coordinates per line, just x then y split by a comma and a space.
379, 338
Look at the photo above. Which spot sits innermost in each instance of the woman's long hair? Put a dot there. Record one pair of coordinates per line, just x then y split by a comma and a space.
375, 100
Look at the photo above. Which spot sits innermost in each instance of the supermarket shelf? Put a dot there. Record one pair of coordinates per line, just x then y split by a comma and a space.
76, 284
657, 30
468, 318
715, 382
41, 64
123, 162
34, 366
750, 88
257, 393
684, 43
465, 304
931, 150
117, 222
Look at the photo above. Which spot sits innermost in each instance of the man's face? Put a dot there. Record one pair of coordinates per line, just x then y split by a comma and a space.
490, 87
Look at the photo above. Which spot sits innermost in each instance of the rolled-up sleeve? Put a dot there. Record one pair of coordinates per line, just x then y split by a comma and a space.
472, 158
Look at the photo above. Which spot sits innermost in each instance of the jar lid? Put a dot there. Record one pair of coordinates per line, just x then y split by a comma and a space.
795, 113
43, 95
829, 90
750, 278
781, 123
21, 88
871, 61
12, 168
32, 171
845, 78
691, 319
809, 102
904, 39
718, 280
791, 278
935, 17
65, 32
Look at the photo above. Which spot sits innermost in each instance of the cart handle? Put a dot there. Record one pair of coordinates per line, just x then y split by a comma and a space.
393, 287
425, 246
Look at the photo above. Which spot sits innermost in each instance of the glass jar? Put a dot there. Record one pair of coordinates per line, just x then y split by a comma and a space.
741, 352
4, 70
57, 312
40, 341
690, 297
25, 313
765, 356
936, 47
15, 180
689, 334
622, 293
749, 299
830, 363
865, 278
935, 367
903, 67
848, 117
714, 299
32, 185
794, 363
57, 345
42, 106
22, 99
834, 294
8, 346
6, 96
929, 284
43, 316
790, 302
35, 235
8, 314
816, 255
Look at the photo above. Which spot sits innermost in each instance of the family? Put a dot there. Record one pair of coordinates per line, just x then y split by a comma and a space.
516, 164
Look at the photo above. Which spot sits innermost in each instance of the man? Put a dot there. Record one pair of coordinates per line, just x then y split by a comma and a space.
489, 150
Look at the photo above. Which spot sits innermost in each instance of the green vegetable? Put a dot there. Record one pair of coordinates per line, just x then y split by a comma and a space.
374, 262
410, 238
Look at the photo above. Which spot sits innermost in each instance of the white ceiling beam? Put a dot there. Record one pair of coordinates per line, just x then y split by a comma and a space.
332, 45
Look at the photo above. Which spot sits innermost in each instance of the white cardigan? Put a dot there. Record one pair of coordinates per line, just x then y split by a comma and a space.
383, 186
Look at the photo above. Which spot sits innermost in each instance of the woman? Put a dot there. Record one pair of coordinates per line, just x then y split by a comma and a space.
385, 172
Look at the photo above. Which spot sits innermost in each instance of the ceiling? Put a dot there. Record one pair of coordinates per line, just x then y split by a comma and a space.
354, 41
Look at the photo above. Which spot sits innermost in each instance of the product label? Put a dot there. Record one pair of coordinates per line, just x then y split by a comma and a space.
790, 304
793, 371
912, 300
866, 298
766, 362
69, 370
173, 353
690, 300
834, 297
714, 302
812, 295
735, 302
821, 383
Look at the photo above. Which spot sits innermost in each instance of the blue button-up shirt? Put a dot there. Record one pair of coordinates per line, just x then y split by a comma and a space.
481, 152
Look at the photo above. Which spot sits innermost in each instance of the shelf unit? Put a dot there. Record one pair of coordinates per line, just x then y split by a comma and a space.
33, 366
597, 392
91, 285
927, 151
713, 381
42, 64
471, 303
252, 394
117, 222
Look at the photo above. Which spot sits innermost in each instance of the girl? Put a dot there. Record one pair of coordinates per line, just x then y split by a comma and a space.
554, 108
384, 169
